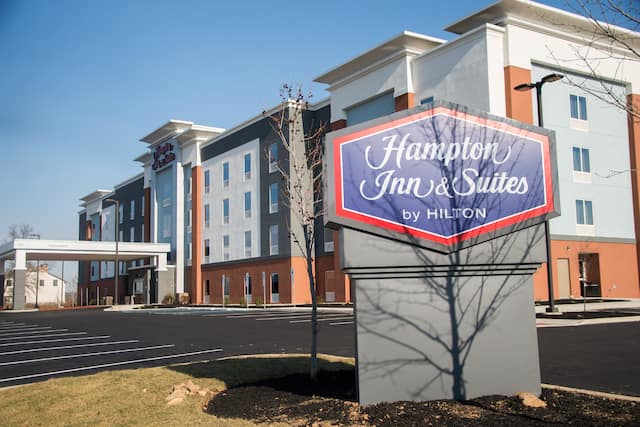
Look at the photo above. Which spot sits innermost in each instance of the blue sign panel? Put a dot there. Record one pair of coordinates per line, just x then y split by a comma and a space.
442, 175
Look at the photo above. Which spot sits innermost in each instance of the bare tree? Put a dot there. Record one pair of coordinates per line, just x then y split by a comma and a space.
303, 187
22, 231
611, 34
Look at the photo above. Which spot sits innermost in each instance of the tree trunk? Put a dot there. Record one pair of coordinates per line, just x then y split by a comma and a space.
313, 368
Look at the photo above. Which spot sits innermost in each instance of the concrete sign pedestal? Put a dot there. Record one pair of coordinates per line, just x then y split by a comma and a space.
441, 213
434, 326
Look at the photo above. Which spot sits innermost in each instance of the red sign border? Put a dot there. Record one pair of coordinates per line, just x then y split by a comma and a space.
465, 235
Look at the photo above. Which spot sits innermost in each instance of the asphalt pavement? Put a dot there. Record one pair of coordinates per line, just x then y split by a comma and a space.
596, 355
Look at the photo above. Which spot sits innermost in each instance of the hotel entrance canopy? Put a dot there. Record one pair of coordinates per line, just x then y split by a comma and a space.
22, 250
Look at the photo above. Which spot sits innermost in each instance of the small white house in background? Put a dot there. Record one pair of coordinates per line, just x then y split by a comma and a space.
51, 289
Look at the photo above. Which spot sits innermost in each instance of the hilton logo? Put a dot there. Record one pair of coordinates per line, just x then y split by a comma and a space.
163, 155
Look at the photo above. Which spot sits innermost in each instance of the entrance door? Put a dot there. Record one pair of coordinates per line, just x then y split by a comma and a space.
564, 283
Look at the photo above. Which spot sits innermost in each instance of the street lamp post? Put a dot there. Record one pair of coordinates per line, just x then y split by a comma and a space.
116, 269
549, 78
37, 270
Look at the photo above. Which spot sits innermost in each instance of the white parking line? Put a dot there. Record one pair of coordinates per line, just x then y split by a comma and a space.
74, 356
9, 326
239, 316
64, 347
322, 320
32, 332
332, 315
341, 323
45, 336
25, 328
55, 340
107, 365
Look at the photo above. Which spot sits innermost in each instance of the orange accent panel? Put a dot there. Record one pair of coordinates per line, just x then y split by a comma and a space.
197, 285
339, 124
404, 101
618, 268
519, 104
634, 155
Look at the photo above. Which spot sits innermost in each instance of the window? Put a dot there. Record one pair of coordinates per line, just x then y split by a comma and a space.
142, 206
207, 181
121, 235
132, 210
142, 233
273, 198
55, 282
225, 247
41, 282
247, 284
584, 212
207, 215
273, 157
247, 204
225, 174
273, 240
121, 213
187, 220
247, 244
427, 100
247, 166
581, 160
207, 288
372, 108
225, 211
132, 234
578, 107
207, 248
225, 284
275, 283
93, 271
328, 240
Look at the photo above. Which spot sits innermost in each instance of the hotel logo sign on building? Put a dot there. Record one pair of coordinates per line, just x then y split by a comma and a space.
163, 155
442, 176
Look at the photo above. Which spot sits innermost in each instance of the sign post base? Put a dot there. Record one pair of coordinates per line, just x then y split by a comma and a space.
444, 326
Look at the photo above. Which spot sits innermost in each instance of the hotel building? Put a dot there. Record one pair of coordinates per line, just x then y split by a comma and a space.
215, 195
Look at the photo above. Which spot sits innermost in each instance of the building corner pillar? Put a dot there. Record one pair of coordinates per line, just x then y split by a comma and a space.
196, 234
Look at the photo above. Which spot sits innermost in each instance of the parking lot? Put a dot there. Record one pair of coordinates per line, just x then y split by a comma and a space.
37, 346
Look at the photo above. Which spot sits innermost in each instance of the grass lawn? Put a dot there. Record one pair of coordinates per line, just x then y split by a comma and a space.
137, 397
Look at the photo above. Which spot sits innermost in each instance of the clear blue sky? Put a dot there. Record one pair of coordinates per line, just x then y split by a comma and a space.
82, 81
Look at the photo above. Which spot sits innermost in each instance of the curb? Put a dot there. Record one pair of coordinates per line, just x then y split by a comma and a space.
559, 323
594, 393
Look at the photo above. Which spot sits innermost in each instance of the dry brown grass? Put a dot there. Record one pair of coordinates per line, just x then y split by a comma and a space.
137, 397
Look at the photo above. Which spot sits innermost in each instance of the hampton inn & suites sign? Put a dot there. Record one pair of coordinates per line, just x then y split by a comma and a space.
442, 177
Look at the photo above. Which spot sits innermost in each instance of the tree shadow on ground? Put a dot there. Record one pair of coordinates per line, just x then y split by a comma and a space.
286, 373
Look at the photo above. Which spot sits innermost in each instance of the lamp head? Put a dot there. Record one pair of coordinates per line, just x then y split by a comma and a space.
550, 78
524, 87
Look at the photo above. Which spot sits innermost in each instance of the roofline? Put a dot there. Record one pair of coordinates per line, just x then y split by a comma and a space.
503, 7
129, 181
324, 77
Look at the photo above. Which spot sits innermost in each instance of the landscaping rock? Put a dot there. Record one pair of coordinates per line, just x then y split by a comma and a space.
530, 400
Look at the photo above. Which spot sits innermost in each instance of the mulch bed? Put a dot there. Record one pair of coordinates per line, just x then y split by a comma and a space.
295, 400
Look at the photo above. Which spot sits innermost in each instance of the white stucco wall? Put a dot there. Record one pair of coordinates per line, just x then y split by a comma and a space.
392, 76
605, 135
238, 185
527, 43
468, 71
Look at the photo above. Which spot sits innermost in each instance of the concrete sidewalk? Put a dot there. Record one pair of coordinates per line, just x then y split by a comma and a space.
627, 305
